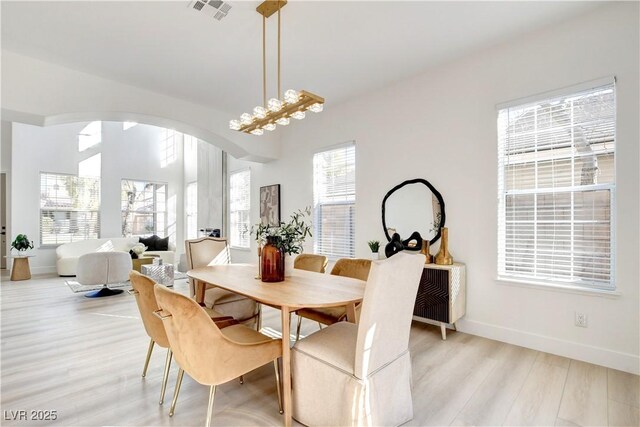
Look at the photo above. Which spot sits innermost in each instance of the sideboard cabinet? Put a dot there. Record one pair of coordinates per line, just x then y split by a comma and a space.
442, 295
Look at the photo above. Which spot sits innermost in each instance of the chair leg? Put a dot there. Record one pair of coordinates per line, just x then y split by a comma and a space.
241, 379
146, 362
277, 369
167, 365
298, 328
319, 325
212, 395
259, 321
176, 392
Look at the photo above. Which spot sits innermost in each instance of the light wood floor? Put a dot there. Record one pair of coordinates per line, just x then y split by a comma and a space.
83, 357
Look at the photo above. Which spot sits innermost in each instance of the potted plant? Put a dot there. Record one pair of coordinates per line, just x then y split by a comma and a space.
21, 244
374, 245
280, 242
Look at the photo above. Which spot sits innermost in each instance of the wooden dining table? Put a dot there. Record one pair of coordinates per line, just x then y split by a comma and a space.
303, 289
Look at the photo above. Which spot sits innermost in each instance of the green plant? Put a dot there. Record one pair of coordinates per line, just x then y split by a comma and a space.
21, 243
289, 236
374, 245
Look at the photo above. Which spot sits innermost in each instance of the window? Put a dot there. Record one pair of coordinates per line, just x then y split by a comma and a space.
556, 180
334, 202
144, 208
192, 210
168, 147
239, 205
89, 136
69, 208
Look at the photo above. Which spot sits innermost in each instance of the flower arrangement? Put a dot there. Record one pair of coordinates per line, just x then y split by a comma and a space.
289, 236
137, 250
21, 243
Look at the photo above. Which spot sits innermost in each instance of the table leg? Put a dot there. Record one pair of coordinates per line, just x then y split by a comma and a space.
351, 312
200, 288
286, 366
443, 330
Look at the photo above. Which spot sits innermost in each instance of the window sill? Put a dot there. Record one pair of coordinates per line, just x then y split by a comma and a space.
237, 248
559, 288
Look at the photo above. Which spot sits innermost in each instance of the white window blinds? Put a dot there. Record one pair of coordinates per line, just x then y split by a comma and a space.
556, 180
144, 208
334, 201
239, 208
69, 208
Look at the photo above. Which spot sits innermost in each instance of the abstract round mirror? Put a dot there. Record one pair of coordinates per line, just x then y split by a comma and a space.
410, 207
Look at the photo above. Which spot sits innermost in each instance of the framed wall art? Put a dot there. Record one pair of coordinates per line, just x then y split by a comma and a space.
270, 205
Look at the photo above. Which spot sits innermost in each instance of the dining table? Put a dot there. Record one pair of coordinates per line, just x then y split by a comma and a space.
300, 289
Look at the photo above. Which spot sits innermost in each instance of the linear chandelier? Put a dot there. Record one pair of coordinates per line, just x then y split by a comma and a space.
277, 111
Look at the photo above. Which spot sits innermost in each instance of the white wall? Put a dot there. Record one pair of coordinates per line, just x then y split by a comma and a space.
42, 93
441, 126
5, 167
130, 154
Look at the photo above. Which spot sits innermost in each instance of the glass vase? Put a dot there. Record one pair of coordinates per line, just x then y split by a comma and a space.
272, 261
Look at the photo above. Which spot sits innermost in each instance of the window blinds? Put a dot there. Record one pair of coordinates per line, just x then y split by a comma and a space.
239, 207
69, 208
334, 199
556, 178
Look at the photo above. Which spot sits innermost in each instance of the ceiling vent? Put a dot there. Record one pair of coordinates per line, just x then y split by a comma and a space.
217, 9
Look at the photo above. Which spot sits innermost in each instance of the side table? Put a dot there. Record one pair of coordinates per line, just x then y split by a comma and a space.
20, 269
137, 263
160, 273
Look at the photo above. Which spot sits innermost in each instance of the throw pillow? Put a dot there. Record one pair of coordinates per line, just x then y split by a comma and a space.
162, 244
149, 242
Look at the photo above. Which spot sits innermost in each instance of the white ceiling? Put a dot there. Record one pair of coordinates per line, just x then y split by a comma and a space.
335, 49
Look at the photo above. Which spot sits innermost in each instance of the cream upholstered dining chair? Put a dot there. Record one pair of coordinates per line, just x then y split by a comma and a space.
228, 353
145, 298
214, 251
348, 374
347, 267
311, 262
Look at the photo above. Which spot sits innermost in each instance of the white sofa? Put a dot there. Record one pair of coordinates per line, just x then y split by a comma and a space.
67, 255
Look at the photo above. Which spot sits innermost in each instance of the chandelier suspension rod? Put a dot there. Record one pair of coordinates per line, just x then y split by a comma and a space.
279, 87
264, 62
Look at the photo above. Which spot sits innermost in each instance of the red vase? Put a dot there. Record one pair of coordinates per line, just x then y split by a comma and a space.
272, 261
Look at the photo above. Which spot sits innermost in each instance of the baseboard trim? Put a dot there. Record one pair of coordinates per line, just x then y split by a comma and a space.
43, 270
597, 355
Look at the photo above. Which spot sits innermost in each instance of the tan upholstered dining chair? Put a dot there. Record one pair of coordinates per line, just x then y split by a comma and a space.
311, 262
147, 304
347, 267
214, 251
360, 374
228, 353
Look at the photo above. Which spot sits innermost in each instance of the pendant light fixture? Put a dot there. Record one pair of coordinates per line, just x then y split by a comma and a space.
276, 111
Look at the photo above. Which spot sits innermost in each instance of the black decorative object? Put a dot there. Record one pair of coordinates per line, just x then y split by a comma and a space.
394, 246
133, 255
415, 237
439, 216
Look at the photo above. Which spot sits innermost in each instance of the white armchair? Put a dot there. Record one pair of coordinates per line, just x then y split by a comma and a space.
349, 374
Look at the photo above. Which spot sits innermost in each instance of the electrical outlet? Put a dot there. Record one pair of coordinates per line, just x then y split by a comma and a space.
581, 320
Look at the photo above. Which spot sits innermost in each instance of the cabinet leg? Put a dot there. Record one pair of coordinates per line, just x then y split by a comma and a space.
443, 330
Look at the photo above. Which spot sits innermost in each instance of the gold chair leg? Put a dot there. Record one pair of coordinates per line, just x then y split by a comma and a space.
212, 395
146, 362
176, 392
277, 369
167, 365
259, 321
298, 328
241, 379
